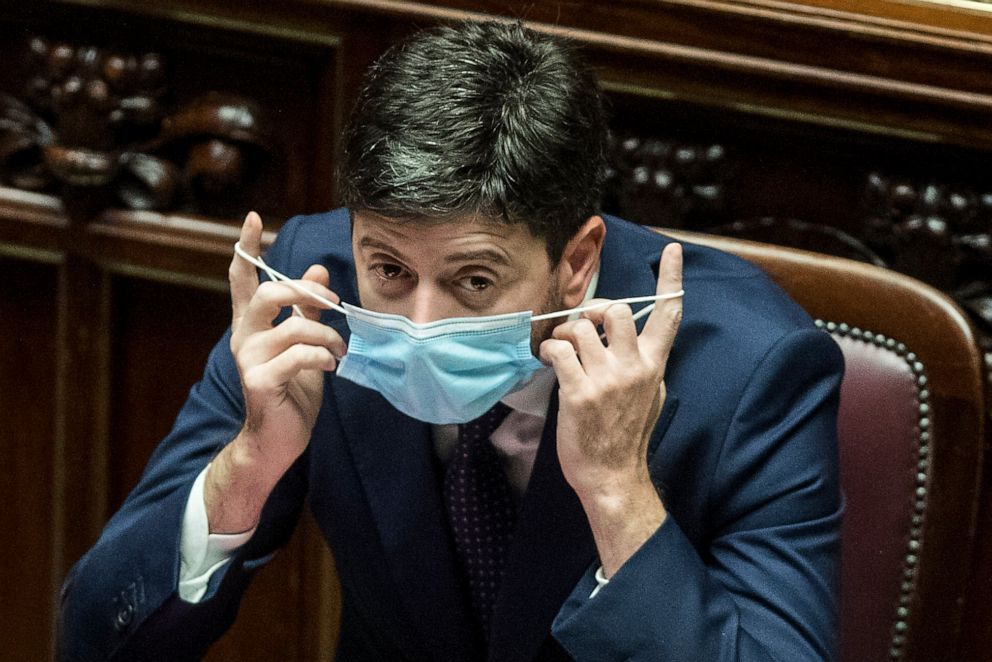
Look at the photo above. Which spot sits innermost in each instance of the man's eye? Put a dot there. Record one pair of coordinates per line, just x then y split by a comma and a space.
475, 283
388, 271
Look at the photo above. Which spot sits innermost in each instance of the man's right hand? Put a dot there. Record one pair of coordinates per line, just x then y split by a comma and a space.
282, 375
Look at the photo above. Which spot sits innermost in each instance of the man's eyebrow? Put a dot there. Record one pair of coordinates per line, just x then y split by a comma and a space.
472, 255
479, 255
369, 242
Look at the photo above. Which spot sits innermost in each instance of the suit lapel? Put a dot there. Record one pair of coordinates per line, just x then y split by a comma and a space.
394, 458
553, 545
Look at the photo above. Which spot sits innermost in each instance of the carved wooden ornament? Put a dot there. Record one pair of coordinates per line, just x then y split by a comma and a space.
92, 122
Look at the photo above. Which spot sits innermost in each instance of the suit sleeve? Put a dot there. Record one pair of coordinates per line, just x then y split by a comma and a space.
120, 600
764, 585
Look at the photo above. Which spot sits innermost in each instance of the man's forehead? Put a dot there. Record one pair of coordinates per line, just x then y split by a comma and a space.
368, 218
369, 228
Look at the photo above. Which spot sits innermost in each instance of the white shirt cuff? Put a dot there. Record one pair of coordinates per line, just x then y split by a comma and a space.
601, 581
202, 553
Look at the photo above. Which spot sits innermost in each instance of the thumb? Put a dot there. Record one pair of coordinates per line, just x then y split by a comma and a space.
241, 274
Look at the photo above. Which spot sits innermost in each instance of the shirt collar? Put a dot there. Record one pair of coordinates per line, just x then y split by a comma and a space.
534, 396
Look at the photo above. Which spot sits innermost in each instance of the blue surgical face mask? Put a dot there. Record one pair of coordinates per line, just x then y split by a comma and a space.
447, 371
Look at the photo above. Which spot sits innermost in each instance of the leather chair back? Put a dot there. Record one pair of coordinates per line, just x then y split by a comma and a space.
910, 429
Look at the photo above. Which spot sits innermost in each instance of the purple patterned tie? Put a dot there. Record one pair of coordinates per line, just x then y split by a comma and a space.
481, 510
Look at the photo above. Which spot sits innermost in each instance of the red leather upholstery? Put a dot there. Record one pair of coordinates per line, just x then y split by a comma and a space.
880, 451
911, 431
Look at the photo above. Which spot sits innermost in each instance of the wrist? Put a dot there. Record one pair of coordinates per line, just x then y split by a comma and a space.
619, 505
253, 462
622, 518
614, 488
237, 485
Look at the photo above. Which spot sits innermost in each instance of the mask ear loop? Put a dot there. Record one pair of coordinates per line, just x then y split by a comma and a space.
276, 276
645, 310
641, 313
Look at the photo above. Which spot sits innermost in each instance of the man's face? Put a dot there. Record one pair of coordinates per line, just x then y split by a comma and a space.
463, 268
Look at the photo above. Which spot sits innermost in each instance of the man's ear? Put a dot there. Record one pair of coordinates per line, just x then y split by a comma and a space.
579, 261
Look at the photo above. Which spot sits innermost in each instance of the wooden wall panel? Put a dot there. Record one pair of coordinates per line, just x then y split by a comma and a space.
161, 334
282, 616
82, 443
27, 458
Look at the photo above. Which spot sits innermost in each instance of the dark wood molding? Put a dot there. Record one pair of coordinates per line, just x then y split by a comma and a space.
910, 78
170, 247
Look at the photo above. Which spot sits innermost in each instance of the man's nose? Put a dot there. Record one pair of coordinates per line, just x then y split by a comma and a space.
428, 304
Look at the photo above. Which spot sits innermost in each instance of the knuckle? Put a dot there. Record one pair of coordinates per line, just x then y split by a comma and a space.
618, 312
639, 375
584, 399
311, 286
610, 385
584, 328
240, 360
563, 330
292, 325
297, 354
555, 349
244, 365
253, 380
250, 343
267, 291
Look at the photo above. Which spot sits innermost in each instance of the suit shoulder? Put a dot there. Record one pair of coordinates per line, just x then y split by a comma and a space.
723, 291
323, 238
315, 234
701, 262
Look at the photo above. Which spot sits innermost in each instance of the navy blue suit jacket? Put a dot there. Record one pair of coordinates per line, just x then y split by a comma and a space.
744, 455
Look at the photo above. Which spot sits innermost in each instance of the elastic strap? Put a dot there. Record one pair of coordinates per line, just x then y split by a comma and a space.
276, 276
641, 313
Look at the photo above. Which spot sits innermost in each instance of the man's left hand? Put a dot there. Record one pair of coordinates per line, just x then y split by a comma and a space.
610, 396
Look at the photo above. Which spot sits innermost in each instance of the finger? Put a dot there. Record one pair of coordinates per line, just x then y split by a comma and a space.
270, 298
596, 315
560, 355
241, 274
621, 333
265, 345
274, 374
585, 340
663, 322
317, 274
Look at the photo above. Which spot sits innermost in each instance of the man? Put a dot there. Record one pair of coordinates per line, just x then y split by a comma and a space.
644, 498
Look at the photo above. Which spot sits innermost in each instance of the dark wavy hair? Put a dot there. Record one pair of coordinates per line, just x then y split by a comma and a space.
487, 118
